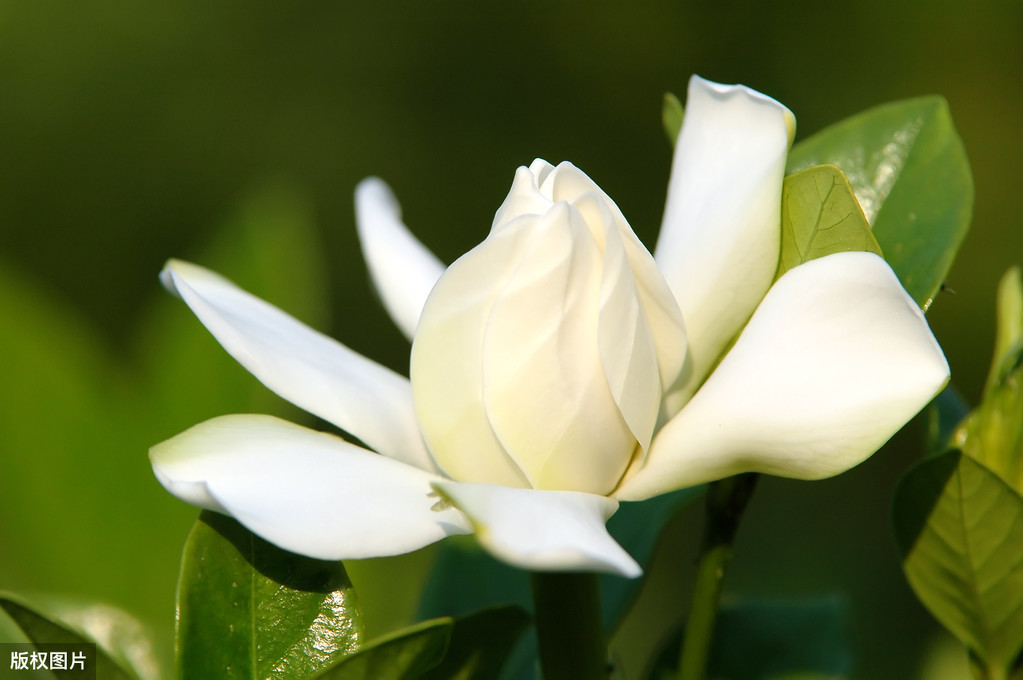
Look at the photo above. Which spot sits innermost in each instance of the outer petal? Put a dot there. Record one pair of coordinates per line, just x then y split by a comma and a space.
836, 359
305, 367
305, 491
718, 246
403, 270
543, 530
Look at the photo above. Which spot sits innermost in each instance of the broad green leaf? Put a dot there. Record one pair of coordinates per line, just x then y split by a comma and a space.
671, 117
960, 531
402, 655
40, 628
820, 216
1009, 330
480, 644
908, 168
247, 609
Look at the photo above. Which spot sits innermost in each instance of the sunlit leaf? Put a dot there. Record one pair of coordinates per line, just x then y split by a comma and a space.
960, 530
820, 216
247, 609
908, 168
671, 116
40, 628
480, 644
402, 655
1009, 330
993, 432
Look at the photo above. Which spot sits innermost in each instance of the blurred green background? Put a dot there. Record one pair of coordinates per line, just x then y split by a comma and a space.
234, 133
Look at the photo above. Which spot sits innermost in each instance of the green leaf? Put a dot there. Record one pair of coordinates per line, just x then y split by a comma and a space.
820, 216
960, 531
247, 609
480, 644
993, 433
42, 629
671, 117
1009, 330
908, 168
402, 655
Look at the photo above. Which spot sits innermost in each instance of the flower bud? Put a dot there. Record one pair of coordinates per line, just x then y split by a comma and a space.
543, 355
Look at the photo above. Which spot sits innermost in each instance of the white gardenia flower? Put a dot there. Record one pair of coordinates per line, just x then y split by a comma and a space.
559, 367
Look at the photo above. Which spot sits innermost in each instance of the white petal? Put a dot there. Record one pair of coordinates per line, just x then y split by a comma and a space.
403, 270
525, 197
305, 491
544, 385
307, 368
836, 359
718, 246
543, 530
508, 381
658, 311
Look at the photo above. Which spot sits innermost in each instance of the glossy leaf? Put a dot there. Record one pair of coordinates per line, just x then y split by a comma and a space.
247, 609
960, 530
403, 655
908, 168
40, 628
481, 644
671, 117
820, 216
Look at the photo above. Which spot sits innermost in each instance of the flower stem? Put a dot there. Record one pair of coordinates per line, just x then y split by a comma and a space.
726, 502
569, 626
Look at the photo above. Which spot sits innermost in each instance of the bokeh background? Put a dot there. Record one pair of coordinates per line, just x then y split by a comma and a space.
233, 134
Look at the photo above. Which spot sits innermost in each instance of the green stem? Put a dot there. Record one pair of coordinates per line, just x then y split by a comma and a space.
569, 626
726, 502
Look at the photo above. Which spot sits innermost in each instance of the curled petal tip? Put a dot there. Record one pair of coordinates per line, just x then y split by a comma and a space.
543, 530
